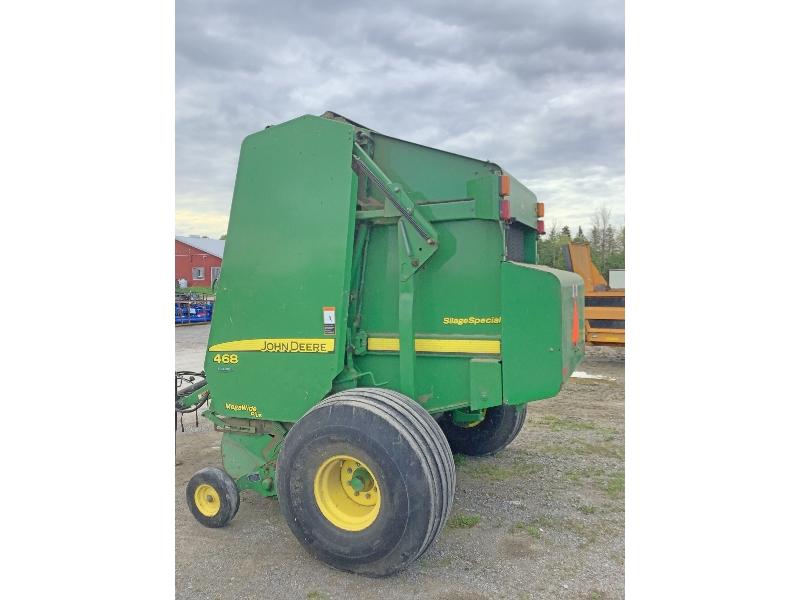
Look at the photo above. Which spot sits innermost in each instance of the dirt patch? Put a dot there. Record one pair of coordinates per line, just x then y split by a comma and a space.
515, 546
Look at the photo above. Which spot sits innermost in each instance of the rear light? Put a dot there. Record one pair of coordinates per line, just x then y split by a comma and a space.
505, 210
540, 209
575, 330
540, 227
505, 185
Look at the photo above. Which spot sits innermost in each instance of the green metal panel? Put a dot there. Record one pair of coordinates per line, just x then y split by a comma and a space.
486, 383
486, 192
522, 203
426, 173
288, 255
461, 280
538, 350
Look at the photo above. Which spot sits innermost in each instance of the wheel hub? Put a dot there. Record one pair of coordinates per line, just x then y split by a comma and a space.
206, 498
347, 493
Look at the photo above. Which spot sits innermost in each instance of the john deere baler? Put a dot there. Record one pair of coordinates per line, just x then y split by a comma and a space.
379, 308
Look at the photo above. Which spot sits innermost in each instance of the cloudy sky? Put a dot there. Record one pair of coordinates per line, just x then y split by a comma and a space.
534, 85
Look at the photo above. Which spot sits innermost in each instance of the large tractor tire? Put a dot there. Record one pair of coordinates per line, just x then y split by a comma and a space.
212, 497
496, 431
366, 481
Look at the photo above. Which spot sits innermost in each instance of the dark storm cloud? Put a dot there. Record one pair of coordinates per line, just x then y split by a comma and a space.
534, 86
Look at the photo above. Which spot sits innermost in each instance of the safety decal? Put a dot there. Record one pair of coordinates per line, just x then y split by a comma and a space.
329, 320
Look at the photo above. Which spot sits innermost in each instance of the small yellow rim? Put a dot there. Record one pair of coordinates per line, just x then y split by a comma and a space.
347, 493
206, 498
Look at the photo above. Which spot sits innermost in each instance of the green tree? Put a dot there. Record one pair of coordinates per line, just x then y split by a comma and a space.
616, 260
602, 239
607, 244
594, 240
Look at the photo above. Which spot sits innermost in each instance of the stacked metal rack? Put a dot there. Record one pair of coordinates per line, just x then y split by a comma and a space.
191, 309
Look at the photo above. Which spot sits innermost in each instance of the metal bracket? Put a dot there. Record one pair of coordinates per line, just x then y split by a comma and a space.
360, 342
221, 425
192, 396
419, 240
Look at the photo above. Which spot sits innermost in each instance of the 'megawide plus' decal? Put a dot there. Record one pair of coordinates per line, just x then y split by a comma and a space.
471, 320
288, 345
251, 410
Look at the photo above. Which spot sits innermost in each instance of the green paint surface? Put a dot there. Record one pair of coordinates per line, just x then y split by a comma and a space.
287, 256
538, 352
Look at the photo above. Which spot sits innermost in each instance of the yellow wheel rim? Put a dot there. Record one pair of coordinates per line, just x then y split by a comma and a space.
206, 498
347, 493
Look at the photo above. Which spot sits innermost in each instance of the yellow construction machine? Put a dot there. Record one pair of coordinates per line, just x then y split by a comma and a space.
605, 307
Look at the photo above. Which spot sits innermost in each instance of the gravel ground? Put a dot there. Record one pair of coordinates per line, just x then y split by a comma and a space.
544, 518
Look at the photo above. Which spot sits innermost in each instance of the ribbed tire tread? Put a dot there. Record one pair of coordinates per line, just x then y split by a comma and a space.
424, 433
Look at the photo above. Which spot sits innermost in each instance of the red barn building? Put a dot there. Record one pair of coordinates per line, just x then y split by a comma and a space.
198, 260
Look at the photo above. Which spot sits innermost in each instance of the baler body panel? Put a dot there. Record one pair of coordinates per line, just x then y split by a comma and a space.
541, 345
461, 280
428, 174
288, 255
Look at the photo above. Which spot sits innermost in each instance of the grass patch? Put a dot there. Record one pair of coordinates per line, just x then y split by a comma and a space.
589, 533
197, 290
490, 472
582, 448
462, 521
459, 459
603, 449
609, 435
576, 475
555, 423
314, 595
531, 530
616, 485
587, 510
533, 527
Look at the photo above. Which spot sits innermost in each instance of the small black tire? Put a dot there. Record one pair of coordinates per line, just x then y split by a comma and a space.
407, 466
496, 431
212, 497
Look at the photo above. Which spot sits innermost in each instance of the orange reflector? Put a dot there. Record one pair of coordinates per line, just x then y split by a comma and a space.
575, 322
540, 209
505, 185
505, 210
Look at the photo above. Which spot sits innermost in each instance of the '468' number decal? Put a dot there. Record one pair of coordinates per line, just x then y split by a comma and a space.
231, 359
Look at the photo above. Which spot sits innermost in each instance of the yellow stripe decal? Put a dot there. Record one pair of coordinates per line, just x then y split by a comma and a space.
443, 346
276, 345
